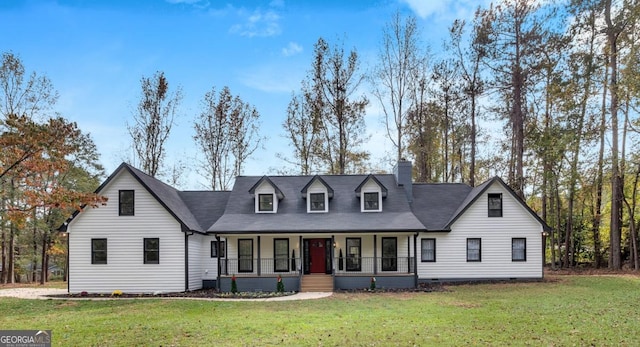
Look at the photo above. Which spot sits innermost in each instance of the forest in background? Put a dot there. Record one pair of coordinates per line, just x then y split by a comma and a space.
544, 94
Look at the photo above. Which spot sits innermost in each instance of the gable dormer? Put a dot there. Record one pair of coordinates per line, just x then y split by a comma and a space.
317, 194
371, 192
266, 196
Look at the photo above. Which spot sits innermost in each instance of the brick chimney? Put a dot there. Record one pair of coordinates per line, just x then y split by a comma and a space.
403, 171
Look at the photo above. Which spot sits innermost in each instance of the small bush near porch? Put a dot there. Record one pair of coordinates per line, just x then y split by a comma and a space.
563, 310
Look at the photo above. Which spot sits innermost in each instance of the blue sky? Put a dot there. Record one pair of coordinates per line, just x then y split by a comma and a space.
95, 53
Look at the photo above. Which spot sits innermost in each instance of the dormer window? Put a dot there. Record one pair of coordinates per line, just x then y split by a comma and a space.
371, 201
266, 196
317, 194
316, 202
371, 192
265, 203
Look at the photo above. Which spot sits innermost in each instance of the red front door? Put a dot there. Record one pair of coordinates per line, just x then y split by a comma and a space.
317, 253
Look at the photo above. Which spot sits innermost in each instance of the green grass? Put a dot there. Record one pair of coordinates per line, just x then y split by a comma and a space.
573, 310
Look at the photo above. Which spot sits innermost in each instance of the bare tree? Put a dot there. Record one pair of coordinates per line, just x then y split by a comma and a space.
394, 78
153, 120
302, 132
227, 131
339, 117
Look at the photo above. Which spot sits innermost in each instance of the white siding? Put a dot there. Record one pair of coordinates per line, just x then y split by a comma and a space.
496, 234
209, 266
125, 269
195, 261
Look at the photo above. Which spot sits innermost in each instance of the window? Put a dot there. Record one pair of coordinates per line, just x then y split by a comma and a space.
371, 202
473, 250
245, 255
428, 250
265, 202
316, 202
152, 251
389, 254
125, 202
217, 250
518, 249
495, 205
353, 254
281, 255
98, 251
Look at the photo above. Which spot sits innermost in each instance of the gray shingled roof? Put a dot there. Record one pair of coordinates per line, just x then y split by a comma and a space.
344, 208
435, 203
435, 206
167, 196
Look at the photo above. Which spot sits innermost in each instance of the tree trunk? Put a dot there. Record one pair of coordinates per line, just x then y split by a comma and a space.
615, 261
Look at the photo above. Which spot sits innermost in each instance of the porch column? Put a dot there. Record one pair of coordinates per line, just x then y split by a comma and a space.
408, 254
333, 255
218, 261
415, 259
375, 254
259, 262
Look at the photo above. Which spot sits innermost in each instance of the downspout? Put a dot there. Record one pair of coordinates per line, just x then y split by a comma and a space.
186, 260
415, 259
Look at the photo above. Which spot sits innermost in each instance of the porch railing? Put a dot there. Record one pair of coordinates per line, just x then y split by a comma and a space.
292, 266
347, 265
264, 266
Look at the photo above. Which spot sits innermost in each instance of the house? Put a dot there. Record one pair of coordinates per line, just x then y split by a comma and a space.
321, 232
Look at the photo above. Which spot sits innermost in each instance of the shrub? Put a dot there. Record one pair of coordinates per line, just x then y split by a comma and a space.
117, 293
372, 286
280, 286
234, 285
84, 293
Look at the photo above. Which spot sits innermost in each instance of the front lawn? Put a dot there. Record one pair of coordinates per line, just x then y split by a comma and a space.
564, 310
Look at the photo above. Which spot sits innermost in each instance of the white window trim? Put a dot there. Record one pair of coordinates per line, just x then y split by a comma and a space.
265, 188
370, 190
326, 200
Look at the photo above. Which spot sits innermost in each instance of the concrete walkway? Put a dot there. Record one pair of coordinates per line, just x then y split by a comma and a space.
43, 293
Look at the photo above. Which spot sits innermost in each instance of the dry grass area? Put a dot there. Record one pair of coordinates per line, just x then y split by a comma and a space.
51, 284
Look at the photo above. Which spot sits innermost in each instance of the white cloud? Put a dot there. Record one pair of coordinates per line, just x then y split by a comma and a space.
426, 8
291, 49
259, 23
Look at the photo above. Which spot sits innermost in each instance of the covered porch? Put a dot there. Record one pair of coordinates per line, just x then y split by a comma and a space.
342, 261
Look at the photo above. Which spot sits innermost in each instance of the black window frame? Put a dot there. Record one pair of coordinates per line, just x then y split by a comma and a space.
354, 263
494, 211
513, 249
280, 259
272, 203
422, 248
148, 251
377, 201
322, 201
470, 259
123, 206
389, 263
245, 264
95, 251
222, 248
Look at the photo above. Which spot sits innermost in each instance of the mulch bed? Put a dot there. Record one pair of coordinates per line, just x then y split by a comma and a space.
201, 293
